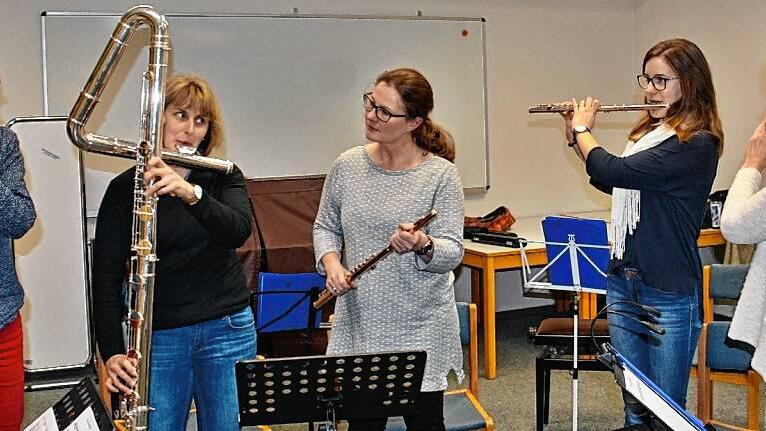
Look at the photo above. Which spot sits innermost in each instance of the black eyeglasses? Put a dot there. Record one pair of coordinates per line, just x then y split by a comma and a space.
658, 82
382, 113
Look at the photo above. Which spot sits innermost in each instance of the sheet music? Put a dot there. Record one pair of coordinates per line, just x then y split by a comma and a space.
85, 422
44, 422
654, 402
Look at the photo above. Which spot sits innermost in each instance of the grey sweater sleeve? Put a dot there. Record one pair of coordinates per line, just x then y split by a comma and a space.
327, 231
446, 230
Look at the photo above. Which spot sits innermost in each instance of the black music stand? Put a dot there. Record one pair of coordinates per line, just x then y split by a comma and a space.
74, 403
327, 388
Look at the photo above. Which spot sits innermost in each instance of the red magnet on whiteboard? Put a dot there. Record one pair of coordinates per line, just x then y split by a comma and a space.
465, 33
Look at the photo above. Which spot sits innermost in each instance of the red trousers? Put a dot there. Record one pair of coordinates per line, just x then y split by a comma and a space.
11, 376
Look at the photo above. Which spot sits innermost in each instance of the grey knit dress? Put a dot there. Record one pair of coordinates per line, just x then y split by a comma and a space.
404, 303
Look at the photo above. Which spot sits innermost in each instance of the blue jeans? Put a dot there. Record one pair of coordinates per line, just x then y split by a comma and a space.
664, 359
197, 361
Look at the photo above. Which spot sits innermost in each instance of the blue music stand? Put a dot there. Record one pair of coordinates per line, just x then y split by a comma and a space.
632, 380
284, 302
592, 247
578, 254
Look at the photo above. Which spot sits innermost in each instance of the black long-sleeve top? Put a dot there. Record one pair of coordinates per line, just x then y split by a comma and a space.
674, 178
198, 275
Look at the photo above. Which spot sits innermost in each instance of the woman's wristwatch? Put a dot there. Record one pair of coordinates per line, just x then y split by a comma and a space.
427, 248
579, 129
197, 194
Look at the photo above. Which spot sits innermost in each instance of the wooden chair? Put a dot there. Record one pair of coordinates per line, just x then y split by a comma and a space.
717, 361
462, 410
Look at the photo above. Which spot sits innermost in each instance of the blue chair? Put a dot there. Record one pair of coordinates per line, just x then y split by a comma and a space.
717, 361
462, 410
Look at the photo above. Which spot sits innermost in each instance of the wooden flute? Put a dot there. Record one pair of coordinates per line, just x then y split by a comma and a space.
371, 261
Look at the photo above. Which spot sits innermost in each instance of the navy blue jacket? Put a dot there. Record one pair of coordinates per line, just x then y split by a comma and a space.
674, 179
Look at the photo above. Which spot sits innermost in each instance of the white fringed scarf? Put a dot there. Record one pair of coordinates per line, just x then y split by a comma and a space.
626, 209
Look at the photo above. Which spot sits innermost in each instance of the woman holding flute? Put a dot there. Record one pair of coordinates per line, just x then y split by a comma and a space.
371, 196
659, 188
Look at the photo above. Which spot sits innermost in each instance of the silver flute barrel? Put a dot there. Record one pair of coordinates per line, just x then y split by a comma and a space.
566, 107
135, 407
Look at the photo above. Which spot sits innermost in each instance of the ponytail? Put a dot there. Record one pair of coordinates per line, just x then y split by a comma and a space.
434, 138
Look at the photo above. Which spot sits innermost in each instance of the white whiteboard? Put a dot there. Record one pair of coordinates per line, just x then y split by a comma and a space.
50, 258
290, 86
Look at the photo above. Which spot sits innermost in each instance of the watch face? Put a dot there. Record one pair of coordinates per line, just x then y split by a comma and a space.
581, 129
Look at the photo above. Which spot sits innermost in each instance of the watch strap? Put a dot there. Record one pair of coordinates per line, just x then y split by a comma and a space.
426, 249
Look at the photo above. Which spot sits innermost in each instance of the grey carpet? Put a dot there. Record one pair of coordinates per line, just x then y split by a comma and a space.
510, 398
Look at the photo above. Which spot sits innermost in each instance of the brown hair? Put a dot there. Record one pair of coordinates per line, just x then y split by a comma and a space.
696, 110
418, 99
186, 91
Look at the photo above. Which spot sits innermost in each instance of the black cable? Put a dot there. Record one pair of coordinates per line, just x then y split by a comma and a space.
657, 329
651, 312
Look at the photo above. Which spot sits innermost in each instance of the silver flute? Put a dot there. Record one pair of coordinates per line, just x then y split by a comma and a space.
567, 106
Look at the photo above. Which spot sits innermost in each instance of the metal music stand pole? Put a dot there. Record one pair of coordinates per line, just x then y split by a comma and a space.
572, 247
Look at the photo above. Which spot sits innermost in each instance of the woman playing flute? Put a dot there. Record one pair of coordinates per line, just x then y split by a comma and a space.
659, 189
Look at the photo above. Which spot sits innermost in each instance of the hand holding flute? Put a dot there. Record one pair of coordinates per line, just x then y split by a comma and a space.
409, 237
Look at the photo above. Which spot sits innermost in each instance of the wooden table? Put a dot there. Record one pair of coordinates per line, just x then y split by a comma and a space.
484, 260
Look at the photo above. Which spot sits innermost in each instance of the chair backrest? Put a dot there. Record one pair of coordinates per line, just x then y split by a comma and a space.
467, 316
726, 281
463, 314
721, 282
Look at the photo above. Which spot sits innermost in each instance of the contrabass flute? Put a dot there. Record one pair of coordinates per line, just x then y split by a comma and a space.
567, 106
371, 261
135, 406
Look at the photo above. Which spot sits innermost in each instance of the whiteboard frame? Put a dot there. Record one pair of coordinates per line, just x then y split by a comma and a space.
472, 189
